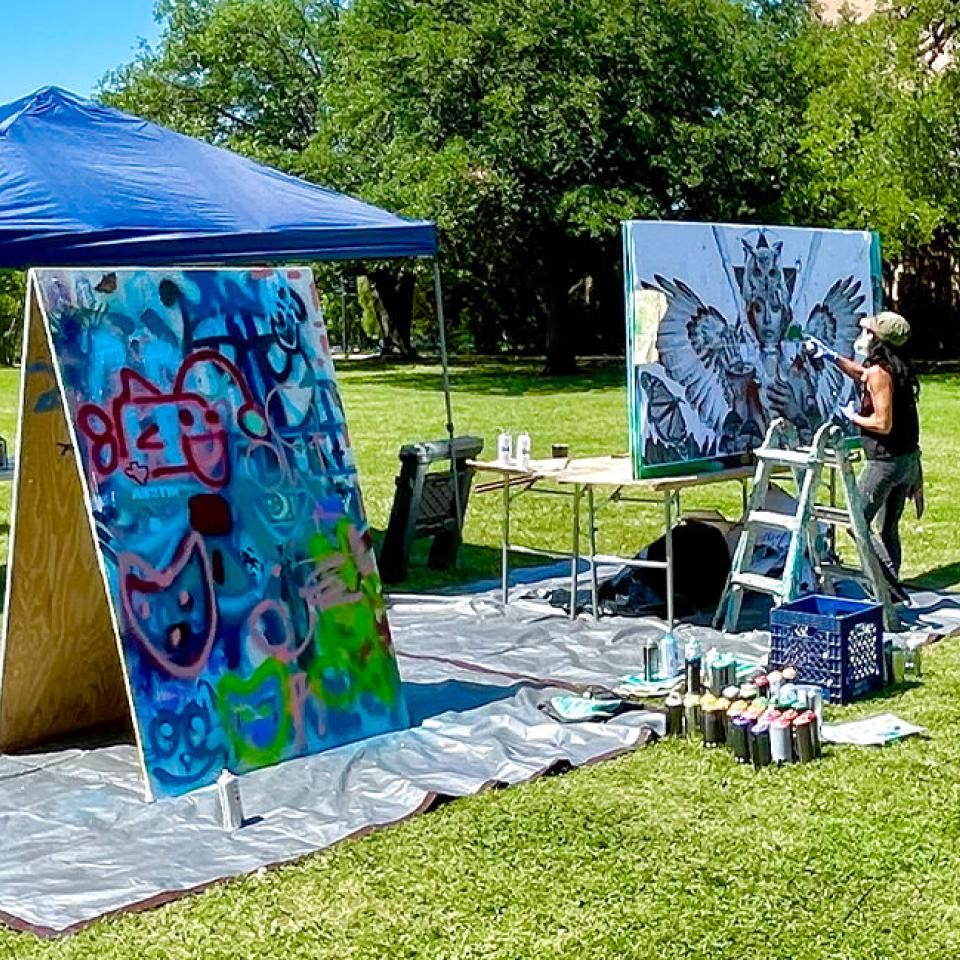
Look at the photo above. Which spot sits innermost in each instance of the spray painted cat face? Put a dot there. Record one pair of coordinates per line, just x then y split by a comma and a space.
256, 713
172, 612
184, 746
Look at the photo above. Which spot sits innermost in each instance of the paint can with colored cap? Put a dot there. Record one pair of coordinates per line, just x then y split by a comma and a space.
674, 708
803, 731
740, 728
231, 807
691, 715
760, 744
781, 740
713, 735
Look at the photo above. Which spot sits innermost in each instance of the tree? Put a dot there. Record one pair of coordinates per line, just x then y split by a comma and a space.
12, 291
880, 148
526, 131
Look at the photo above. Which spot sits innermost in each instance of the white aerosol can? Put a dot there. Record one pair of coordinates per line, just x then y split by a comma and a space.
523, 451
231, 808
504, 447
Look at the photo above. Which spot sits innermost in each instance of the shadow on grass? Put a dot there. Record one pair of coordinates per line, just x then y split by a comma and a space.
508, 378
937, 578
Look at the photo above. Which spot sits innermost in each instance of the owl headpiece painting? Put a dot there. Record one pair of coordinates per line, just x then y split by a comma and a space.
717, 316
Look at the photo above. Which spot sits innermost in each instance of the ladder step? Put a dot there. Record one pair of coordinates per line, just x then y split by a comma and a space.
834, 515
753, 581
768, 518
837, 571
786, 458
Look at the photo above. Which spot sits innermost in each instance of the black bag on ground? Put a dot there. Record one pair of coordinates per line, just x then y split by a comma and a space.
701, 562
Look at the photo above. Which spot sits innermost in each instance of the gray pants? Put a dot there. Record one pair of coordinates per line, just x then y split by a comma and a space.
884, 487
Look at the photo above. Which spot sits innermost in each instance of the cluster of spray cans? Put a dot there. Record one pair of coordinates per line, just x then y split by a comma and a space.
768, 720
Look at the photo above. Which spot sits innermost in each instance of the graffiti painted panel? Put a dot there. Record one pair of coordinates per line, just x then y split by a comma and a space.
228, 515
716, 319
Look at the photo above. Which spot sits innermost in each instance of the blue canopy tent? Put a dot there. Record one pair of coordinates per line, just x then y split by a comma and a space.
82, 184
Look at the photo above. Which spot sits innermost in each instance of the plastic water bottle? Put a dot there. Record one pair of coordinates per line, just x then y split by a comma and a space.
504, 447
523, 451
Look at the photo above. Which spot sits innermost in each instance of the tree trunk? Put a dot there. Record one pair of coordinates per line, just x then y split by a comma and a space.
393, 294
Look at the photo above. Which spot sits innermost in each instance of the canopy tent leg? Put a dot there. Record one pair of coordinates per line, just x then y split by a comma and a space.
441, 327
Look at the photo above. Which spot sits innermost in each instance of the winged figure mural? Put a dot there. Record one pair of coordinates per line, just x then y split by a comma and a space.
737, 369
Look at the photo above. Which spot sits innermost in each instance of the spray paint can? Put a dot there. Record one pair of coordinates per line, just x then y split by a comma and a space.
504, 447
651, 660
781, 740
692, 665
887, 661
914, 663
815, 730
669, 655
523, 451
803, 731
760, 745
789, 674
231, 808
776, 682
749, 691
691, 714
674, 708
810, 695
740, 738
899, 664
732, 693
713, 725
736, 709
762, 683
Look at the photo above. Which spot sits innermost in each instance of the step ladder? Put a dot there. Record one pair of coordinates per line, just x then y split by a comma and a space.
781, 452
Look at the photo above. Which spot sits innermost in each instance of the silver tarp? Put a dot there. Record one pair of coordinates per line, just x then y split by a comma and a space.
78, 841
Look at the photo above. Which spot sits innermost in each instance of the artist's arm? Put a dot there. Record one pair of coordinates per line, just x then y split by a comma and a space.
850, 367
880, 386
820, 351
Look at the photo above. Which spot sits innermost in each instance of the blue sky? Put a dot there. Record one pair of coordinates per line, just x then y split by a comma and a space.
68, 43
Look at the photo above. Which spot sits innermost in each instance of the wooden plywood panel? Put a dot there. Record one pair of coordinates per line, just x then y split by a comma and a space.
59, 660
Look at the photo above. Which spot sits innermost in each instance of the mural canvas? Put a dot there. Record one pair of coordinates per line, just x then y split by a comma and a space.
228, 518
716, 319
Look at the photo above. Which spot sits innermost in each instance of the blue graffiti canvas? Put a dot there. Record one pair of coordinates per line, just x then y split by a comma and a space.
716, 319
228, 516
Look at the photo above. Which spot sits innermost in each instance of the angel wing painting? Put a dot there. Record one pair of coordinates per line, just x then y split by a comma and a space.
729, 342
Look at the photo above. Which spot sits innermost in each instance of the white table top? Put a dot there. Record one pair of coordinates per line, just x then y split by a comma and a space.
610, 470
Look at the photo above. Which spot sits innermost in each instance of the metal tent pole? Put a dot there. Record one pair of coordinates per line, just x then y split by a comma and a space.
441, 325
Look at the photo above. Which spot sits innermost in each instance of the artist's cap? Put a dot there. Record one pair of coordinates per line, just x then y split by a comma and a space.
888, 326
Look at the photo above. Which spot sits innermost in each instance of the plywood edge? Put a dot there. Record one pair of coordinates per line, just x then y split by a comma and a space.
60, 670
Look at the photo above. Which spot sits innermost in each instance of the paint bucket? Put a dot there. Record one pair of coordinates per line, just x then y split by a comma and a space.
231, 807
740, 738
691, 714
760, 745
674, 708
803, 731
781, 740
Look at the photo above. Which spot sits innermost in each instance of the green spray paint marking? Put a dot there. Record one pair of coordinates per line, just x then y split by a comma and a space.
256, 713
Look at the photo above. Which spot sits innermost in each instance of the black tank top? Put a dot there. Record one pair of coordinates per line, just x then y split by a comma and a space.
904, 435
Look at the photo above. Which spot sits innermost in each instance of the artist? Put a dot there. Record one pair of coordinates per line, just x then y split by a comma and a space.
889, 424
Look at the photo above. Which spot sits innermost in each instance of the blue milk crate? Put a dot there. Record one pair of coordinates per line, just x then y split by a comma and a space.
832, 641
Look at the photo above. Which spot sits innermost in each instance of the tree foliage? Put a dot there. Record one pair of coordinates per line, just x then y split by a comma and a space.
526, 131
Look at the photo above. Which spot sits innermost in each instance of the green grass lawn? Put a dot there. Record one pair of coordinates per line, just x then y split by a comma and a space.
670, 852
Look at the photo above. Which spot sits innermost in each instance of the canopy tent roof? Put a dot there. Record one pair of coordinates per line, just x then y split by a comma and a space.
82, 184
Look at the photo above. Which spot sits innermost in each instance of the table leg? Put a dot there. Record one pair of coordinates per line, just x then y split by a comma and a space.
505, 544
668, 517
575, 552
592, 533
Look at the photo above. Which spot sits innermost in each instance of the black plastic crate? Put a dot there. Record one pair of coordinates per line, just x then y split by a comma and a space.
832, 641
